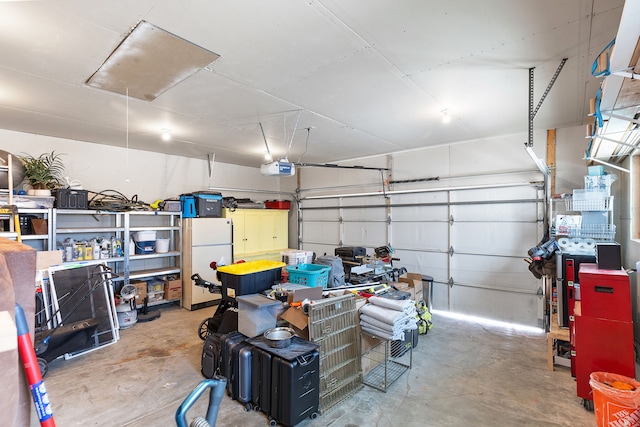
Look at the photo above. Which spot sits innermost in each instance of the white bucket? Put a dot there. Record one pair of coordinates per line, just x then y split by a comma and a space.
162, 246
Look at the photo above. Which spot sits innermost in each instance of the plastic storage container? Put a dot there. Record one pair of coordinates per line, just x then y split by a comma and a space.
311, 275
249, 277
616, 399
155, 286
145, 242
144, 236
146, 247
155, 296
277, 204
256, 314
293, 257
208, 205
188, 206
67, 198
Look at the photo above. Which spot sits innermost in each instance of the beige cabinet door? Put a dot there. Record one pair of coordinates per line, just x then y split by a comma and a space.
280, 221
239, 240
257, 233
259, 230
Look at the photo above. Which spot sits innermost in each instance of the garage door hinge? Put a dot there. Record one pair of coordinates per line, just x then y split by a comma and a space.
340, 220
389, 220
451, 220
451, 251
450, 282
539, 292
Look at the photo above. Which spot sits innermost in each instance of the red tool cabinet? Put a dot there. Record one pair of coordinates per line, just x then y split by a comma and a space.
603, 327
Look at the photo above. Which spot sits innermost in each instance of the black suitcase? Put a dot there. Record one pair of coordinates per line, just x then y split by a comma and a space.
211, 355
295, 386
236, 367
227, 341
261, 380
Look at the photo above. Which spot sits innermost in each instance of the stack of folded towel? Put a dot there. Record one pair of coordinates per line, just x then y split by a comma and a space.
388, 318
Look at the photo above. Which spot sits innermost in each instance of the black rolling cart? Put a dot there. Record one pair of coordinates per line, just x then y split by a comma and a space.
237, 280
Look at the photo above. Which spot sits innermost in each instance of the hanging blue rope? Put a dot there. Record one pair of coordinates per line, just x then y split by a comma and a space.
606, 51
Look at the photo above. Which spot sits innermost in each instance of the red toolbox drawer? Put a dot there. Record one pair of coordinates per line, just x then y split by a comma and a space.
605, 294
277, 204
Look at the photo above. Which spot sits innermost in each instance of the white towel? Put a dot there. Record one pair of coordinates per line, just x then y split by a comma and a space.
383, 314
382, 334
401, 323
364, 319
398, 305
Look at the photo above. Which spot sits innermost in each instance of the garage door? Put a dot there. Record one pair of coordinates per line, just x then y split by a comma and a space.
472, 241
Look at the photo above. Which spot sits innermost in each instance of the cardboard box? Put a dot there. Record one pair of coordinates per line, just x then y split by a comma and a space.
45, 259
298, 320
302, 294
414, 281
141, 290
173, 289
370, 358
415, 291
39, 226
11, 372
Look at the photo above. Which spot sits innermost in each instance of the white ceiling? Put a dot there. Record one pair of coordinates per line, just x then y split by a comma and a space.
368, 76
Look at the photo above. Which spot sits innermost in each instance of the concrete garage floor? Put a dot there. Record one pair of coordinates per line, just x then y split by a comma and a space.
464, 374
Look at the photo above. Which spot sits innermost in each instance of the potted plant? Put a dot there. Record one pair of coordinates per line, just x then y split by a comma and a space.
43, 172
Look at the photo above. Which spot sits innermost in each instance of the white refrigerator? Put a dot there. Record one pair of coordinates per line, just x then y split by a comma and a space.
204, 240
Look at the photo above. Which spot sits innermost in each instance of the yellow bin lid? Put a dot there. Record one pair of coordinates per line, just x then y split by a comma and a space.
250, 267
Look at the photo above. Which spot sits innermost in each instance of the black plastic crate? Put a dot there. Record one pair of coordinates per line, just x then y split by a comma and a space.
67, 198
249, 277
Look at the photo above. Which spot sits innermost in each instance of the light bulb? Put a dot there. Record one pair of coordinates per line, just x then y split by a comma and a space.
446, 118
166, 135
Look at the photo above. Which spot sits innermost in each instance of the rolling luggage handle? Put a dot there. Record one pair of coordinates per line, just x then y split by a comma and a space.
306, 359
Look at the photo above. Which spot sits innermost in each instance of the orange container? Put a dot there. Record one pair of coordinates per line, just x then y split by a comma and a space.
614, 406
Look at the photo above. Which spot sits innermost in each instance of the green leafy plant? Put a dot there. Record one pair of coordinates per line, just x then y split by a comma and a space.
44, 171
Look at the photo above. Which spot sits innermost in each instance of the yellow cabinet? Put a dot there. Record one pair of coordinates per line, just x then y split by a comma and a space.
258, 231
280, 223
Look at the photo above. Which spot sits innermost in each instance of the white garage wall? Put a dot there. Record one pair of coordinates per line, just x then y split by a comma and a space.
149, 175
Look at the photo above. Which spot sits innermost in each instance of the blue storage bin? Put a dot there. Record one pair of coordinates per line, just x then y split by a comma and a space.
311, 275
145, 248
188, 206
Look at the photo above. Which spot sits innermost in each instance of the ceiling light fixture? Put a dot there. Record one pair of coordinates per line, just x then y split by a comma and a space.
166, 135
446, 118
149, 61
